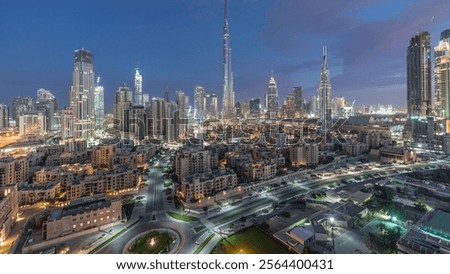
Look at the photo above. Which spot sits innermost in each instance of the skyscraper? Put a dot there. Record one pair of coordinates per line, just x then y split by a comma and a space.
21, 104
442, 75
99, 105
166, 94
272, 99
4, 116
228, 109
138, 100
82, 94
122, 108
200, 102
255, 107
46, 102
214, 106
299, 101
419, 76
324, 94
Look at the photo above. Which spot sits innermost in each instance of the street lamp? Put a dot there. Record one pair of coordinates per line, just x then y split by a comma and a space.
332, 232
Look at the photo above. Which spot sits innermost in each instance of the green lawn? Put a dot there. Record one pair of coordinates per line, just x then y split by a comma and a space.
144, 244
249, 241
181, 217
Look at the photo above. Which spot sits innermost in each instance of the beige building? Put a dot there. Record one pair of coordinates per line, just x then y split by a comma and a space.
355, 149
33, 193
101, 155
258, 170
32, 123
304, 155
205, 185
64, 175
104, 181
192, 161
13, 170
82, 214
8, 209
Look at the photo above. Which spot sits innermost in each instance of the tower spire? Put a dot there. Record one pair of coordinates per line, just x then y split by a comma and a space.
228, 108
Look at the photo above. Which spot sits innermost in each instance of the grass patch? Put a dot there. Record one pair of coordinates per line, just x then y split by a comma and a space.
181, 217
205, 242
249, 241
153, 242
199, 228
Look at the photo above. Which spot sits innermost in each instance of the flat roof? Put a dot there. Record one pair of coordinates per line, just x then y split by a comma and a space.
440, 222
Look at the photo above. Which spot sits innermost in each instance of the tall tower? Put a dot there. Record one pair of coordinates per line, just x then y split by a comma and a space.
99, 105
324, 93
200, 102
442, 75
138, 99
82, 94
272, 99
419, 76
228, 109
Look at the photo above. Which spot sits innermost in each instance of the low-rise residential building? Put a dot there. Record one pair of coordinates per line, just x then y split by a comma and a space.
32, 193
104, 181
81, 214
9, 207
190, 161
258, 171
397, 154
13, 170
207, 184
355, 149
304, 155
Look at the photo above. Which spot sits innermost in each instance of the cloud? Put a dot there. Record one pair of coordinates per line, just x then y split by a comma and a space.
368, 51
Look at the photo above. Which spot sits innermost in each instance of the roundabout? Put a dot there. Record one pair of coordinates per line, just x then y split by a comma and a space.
155, 241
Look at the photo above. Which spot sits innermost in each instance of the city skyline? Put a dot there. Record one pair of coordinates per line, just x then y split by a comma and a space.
266, 37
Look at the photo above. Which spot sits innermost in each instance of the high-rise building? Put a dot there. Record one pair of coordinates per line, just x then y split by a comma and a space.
67, 123
255, 107
442, 76
181, 115
419, 76
32, 123
159, 122
272, 99
299, 101
289, 106
21, 104
200, 102
213, 106
46, 102
228, 110
138, 100
99, 105
324, 94
166, 94
4, 116
82, 94
122, 107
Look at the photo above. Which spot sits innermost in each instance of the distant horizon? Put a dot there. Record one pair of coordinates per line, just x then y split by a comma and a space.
178, 44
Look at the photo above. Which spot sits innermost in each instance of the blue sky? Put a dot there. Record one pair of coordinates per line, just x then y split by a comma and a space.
178, 43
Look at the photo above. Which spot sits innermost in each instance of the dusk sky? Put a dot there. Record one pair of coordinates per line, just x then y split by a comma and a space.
178, 43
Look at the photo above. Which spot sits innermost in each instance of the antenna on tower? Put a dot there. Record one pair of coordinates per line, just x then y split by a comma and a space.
98, 80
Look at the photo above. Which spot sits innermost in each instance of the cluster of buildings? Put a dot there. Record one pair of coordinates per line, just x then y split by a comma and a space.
68, 172
428, 124
206, 171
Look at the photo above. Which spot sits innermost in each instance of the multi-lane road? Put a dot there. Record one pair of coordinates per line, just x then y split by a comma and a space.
156, 205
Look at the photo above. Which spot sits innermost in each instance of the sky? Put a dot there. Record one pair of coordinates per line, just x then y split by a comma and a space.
178, 44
